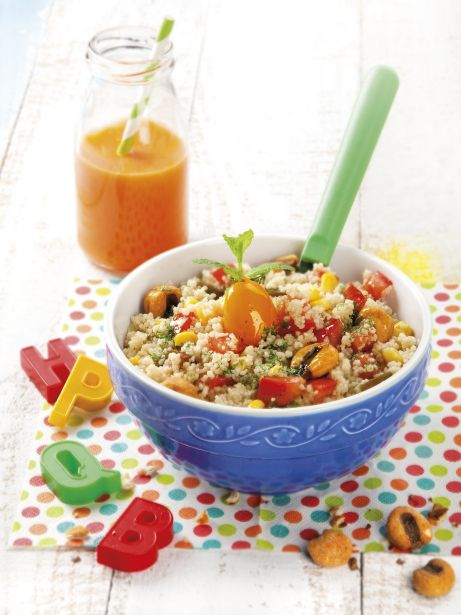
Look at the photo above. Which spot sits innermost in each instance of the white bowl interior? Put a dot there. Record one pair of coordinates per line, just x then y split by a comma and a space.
176, 266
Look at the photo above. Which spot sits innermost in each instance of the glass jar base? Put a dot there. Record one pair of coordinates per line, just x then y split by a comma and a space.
119, 268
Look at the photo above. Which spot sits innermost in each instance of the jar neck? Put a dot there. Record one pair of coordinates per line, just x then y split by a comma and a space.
124, 56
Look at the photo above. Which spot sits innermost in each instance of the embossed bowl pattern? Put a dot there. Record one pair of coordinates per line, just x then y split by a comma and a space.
270, 450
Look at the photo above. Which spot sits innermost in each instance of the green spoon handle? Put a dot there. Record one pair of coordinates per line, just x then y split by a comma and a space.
362, 133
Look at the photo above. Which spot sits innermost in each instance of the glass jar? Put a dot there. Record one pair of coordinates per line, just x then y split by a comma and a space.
133, 206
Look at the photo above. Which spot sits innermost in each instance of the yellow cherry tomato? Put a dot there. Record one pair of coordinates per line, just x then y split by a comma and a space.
248, 309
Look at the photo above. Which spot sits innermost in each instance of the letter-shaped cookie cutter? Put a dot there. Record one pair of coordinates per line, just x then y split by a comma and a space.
133, 541
49, 375
75, 475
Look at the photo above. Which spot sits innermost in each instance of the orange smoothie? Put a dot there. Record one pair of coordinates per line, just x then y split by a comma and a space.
134, 206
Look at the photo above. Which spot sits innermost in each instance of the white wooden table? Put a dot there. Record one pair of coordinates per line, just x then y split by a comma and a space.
266, 88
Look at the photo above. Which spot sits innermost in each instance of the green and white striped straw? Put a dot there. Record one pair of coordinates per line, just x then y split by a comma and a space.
137, 110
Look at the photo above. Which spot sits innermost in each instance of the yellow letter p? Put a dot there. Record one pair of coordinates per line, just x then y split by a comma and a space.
88, 386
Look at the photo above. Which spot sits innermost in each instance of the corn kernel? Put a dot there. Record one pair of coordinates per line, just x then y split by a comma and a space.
134, 360
315, 294
242, 363
191, 301
402, 327
328, 282
277, 370
205, 316
391, 355
202, 316
321, 303
157, 322
184, 337
256, 403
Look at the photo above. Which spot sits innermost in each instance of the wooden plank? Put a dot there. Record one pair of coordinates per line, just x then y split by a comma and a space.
277, 84
387, 587
45, 582
412, 190
244, 583
38, 253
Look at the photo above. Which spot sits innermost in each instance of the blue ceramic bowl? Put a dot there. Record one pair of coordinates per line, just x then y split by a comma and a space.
270, 450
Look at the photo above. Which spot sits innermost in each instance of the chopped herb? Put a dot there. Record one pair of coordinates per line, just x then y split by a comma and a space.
278, 345
270, 331
364, 325
249, 381
167, 333
296, 371
228, 371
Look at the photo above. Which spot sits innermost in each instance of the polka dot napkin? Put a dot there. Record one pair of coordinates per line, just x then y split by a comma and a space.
421, 465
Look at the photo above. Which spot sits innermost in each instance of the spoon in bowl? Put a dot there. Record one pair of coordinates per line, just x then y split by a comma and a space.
362, 133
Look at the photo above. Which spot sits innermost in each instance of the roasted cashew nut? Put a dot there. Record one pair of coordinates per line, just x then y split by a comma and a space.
407, 529
434, 579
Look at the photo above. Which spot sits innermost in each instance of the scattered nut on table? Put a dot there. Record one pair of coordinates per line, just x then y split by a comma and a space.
434, 579
331, 549
337, 518
78, 531
407, 529
437, 514
149, 471
203, 518
127, 483
353, 564
233, 497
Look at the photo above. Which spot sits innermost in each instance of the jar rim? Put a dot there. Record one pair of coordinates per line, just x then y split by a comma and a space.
110, 49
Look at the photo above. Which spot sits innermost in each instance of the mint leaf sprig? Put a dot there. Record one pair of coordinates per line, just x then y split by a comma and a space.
238, 246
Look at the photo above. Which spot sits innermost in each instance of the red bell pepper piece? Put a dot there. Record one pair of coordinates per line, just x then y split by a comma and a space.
280, 390
225, 343
323, 387
183, 322
369, 364
287, 325
362, 341
332, 331
377, 285
354, 294
219, 381
221, 276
